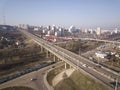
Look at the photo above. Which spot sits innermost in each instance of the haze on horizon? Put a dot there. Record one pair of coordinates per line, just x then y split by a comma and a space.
81, 13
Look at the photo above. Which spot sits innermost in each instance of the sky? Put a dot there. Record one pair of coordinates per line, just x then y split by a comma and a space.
80, 13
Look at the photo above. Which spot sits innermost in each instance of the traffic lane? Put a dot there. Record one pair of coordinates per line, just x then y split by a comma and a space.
101, 77
39, 82
97, 76
97, 67
94, 74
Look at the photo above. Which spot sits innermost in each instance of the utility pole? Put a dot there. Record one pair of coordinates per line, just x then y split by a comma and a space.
78, 60
63, 59
4, 17
116, 82
79, 51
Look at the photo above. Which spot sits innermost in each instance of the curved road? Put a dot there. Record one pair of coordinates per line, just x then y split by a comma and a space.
25, 80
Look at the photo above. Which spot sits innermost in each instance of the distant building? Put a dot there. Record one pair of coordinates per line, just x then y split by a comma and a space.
61, 30
72, 29
23, 26
98, 31
116, 31
86, 31
100, 54
49, 28
58, 33
36, 28
6, 27
44, 32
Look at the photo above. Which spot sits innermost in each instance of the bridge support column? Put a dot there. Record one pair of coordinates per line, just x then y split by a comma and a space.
105, 42
65, 65
54, 59
58, 59
70, 66
47, 54
50, 54
41, 49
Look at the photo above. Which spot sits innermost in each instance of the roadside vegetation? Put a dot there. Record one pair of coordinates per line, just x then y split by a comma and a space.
82, 46
114, 59
55, 72
79, 81
18, 52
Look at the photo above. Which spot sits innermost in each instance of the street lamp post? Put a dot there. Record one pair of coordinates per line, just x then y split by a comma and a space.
78, 59
98, 61
116, 82
63, 58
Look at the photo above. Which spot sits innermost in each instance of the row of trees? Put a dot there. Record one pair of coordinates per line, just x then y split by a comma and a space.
8, 38
9, 55
75, 46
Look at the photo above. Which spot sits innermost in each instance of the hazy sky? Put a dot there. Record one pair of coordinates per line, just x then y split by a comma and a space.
82, 13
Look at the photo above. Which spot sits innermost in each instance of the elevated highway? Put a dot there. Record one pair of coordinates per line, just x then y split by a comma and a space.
100, 73
92, 39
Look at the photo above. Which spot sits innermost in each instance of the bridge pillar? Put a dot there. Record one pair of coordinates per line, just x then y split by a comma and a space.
105, 42
54, 59
70, 66
65, 65
47, 53
58, 59
41, 49
50, 54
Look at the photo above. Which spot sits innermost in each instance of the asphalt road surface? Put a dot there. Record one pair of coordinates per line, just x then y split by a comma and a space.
38, 79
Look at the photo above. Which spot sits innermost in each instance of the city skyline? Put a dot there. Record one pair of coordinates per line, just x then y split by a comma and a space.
81, 13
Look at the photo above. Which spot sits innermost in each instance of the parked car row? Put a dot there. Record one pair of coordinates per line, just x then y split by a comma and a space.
25, 71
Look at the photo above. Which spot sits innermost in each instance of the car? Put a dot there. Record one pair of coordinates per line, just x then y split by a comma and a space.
33, 79
53, 66
99, 66
84, 65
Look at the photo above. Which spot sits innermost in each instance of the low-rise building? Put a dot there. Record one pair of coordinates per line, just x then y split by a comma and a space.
100, 54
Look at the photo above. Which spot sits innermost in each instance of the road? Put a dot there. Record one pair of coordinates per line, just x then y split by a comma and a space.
25, 80
92, 39
105, 75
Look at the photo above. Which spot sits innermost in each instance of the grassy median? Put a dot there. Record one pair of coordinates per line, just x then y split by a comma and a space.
55, 72
79, 81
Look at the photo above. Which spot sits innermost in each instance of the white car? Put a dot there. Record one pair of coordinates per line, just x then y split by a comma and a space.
84, 65
33, 79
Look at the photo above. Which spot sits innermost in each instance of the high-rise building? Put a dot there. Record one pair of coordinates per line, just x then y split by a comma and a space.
98, 31
116, 30
72, 29
23, 26
61, 30
49, 27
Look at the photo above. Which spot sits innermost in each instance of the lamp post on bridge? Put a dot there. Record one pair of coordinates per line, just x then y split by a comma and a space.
63, 58
117, 81
78, 60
